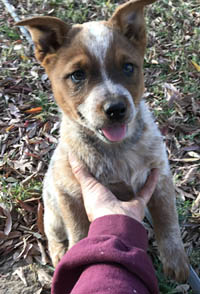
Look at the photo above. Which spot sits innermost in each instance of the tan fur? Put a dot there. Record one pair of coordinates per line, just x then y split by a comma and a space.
123, 166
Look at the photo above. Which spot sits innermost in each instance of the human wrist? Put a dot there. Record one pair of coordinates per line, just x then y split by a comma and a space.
126, 228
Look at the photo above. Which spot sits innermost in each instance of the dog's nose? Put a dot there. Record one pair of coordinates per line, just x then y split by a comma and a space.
115, 110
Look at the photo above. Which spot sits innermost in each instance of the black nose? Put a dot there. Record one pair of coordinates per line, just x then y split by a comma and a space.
115, 110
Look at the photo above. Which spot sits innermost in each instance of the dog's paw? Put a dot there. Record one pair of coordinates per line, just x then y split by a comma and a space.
57, 250
175, 263
177, 268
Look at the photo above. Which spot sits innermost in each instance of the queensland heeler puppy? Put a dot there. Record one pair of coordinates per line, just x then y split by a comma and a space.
97, 79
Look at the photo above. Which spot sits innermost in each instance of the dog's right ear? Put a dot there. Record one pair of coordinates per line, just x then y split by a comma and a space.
48, 34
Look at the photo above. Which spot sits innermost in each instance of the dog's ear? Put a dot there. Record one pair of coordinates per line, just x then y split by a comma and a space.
48, 34
129, 19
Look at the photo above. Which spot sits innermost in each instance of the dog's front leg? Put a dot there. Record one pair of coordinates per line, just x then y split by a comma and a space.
54, 228
65, 221
74, 217
165, 221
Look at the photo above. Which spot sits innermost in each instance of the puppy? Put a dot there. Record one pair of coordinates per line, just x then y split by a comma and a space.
97, 80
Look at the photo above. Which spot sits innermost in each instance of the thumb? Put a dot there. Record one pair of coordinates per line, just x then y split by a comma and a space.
81, 173
147, 190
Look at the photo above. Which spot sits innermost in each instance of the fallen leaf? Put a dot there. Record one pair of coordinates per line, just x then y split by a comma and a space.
32, 155
11, 180
25, 206
20, 272
22, 165
184, 159
154, 61
28, 178
44, 278
2, 235
195, 65
195, 106
171, 93
40, 223
12, 235
190, 176
34, 110
14, 110
24, 57
8, 129
44, 258
191, 148
194, 154
182, 289
17, 47
196, 205
26, 248
183, 195
8, 223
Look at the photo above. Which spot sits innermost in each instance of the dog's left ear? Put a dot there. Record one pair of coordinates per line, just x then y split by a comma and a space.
129, 19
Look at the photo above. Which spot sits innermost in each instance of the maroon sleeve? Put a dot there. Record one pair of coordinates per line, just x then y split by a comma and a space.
112, 259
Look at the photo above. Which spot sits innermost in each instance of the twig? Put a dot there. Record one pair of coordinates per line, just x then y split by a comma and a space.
12, 12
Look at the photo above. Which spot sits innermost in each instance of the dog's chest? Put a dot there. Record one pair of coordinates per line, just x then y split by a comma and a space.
123, 173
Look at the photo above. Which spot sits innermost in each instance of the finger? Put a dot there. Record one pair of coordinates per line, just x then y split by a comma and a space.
146, 192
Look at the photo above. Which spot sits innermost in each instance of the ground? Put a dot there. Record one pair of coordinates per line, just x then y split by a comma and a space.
29, 125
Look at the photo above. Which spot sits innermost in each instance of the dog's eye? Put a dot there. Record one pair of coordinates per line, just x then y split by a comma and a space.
128, 69
78, 76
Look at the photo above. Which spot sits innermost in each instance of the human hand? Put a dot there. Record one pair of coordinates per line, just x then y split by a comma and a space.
100, 201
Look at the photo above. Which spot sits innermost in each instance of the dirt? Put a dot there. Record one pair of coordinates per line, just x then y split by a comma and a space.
23, 278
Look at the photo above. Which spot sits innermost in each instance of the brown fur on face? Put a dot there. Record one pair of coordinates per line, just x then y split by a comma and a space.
101, 50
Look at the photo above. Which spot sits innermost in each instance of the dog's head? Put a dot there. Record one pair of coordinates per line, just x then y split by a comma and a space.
95, 68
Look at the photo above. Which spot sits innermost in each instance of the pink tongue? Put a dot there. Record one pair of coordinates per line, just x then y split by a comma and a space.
115, 134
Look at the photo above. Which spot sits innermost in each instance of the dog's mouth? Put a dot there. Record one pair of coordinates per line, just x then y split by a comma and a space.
114, 133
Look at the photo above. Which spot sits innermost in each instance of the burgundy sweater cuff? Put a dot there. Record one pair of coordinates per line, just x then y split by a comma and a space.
135, 233
113, 240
